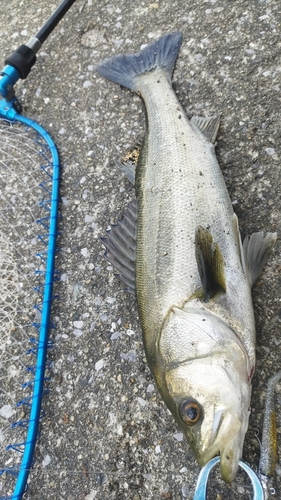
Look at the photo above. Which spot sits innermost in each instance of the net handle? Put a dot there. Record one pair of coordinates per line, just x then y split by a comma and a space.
24, 57
53, 20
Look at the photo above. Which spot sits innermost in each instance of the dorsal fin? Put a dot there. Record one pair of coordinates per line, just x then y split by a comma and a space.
120, 246
210, 263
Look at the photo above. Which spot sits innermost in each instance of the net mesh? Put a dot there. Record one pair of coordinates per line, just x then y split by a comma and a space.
25, 184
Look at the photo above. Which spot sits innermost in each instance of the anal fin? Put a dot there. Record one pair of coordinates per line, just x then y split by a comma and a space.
210, 264
256, 250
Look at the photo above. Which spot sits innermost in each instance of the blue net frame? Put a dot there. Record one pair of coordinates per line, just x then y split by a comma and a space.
51, 168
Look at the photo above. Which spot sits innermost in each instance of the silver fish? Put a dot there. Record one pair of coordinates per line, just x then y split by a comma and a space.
185, 260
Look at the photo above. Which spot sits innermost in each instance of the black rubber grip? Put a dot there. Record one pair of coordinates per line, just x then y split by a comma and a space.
22, 60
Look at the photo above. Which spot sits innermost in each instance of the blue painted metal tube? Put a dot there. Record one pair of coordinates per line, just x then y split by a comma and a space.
9, 104
9, 76
201, 486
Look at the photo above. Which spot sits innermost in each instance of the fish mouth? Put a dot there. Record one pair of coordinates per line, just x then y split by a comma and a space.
226, 441
229, 461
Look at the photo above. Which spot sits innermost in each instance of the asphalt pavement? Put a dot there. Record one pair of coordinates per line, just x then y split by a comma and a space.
107, 434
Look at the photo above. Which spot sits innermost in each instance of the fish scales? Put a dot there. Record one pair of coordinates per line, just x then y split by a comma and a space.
181, 187
191, 273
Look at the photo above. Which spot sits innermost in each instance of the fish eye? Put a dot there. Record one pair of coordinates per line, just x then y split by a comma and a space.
190, 412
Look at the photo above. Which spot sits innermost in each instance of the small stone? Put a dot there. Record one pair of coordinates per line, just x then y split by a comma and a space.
87, 84
110, 300
185, 491
270, 151
178, 436
147, 476
99, 365
6, 411
91, 495
78, 324
89, 218
46, 460
115, 335
150, 388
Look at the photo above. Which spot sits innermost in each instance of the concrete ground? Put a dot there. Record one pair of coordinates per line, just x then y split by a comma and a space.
107, 434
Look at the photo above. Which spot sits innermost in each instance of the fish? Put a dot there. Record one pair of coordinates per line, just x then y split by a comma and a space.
178, 249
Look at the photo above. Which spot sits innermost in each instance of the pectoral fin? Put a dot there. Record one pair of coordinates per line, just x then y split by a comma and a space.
210, 264
120, 246
256, 250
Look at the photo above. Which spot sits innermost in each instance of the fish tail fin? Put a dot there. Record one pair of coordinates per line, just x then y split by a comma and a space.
124, 69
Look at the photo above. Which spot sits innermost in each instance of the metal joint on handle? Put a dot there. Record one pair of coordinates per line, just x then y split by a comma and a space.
9, 104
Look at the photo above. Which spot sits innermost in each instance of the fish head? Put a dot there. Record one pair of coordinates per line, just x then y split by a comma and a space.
206, 386
212, 411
